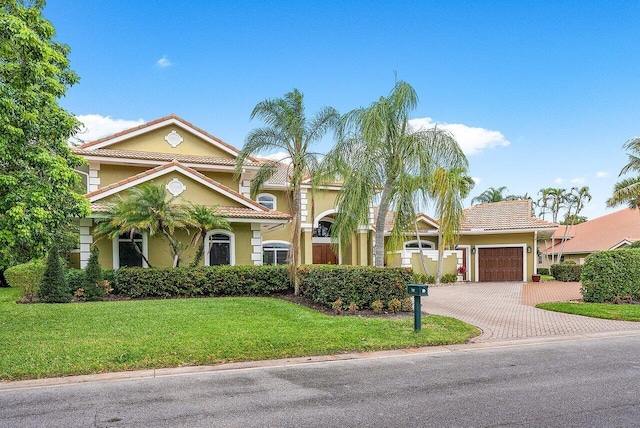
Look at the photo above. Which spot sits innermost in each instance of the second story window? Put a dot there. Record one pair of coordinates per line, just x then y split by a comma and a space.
267, 200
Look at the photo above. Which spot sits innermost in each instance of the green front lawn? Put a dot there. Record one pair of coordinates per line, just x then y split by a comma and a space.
595, 310
44, 340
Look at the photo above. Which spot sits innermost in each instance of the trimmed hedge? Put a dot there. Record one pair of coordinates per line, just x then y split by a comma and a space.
26, 277
207, 281
566, 272
610, 274
363, 286
543, 271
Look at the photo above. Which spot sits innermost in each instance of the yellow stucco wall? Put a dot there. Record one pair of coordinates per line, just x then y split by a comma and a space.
153, 141
222, 178
110, 174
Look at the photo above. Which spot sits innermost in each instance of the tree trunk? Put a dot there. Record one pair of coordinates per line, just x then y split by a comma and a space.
422, 261
440, 257
382, 215
295, 239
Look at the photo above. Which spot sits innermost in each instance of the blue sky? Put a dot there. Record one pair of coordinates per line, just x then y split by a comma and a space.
539, 94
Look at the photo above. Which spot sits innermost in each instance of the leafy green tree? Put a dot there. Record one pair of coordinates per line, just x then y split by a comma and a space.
290, 131
204, 219
146, 209
53, 288
448, 190
377, 150
93, 289
573, 219
490, 195
38, 188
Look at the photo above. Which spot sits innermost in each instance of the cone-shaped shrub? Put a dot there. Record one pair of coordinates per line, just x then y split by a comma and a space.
54, 288
92, 284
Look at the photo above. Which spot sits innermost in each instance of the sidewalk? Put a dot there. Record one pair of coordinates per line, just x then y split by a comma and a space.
505, 311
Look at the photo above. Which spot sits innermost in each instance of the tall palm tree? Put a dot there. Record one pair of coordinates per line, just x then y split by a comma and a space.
491, 195
633, 145
146, 209
205, 219
576, 199
557, 201
448, 190
288, 130
376, 148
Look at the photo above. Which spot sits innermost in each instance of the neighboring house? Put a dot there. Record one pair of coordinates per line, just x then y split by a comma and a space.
497, 243
611, 231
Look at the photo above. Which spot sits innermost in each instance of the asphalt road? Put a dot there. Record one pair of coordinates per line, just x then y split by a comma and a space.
585, 383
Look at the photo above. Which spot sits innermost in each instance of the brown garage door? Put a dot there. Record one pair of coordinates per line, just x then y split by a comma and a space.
500, 264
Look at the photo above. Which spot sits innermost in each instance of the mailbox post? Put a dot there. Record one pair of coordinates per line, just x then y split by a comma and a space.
417, 291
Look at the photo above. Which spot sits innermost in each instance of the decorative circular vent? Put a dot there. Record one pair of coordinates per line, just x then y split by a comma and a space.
175, 187
174, 139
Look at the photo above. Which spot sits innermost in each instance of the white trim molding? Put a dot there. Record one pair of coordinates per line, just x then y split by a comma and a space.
232, 245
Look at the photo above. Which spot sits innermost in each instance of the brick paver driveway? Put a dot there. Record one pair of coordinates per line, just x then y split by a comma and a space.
506, 311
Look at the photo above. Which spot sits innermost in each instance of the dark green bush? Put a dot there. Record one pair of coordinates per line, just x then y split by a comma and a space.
608, 275
26, 277
201, 281
421, 278
363, 285
53, 288
569, 272
631, 246
543, 271
74, 279
94, 290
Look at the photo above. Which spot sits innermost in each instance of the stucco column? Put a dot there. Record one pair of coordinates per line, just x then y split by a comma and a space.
256, 244
86, 239
306, 245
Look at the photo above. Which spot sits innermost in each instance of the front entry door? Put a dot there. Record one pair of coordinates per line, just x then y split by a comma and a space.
323, 255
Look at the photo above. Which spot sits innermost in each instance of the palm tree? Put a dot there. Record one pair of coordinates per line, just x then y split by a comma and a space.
632, 145
557, 201
205, 219
146, 209
288, 130
448, 190
491, 195
376, 150
576, 198
626, 191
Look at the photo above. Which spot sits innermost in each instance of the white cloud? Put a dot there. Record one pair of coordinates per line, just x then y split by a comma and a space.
472, 140
602, 174
476, 180
97, 126
558, 180
578, 180
163, 62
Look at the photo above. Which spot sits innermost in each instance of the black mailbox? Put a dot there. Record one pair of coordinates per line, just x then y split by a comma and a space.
417, 289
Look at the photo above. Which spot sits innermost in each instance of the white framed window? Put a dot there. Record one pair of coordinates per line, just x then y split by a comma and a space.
219, 248
275, 252
268, 200
125, 253
413, 245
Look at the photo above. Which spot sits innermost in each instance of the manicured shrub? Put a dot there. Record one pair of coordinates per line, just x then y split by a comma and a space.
201, 281
75, 280
94, 290
377, 306
449, 278
394, 305
566, 272
420, 278
26, 277
53, 288
543, 271
406, 305
608, 275
362, 285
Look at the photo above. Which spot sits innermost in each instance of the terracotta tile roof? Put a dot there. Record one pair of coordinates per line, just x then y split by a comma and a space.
259, 211
155, 122
156, 156
502, 216
602, 233
227, 212
388, 221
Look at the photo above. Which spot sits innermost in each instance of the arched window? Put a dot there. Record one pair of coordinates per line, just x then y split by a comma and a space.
275, 253
220, 248
267, 200
413, 245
